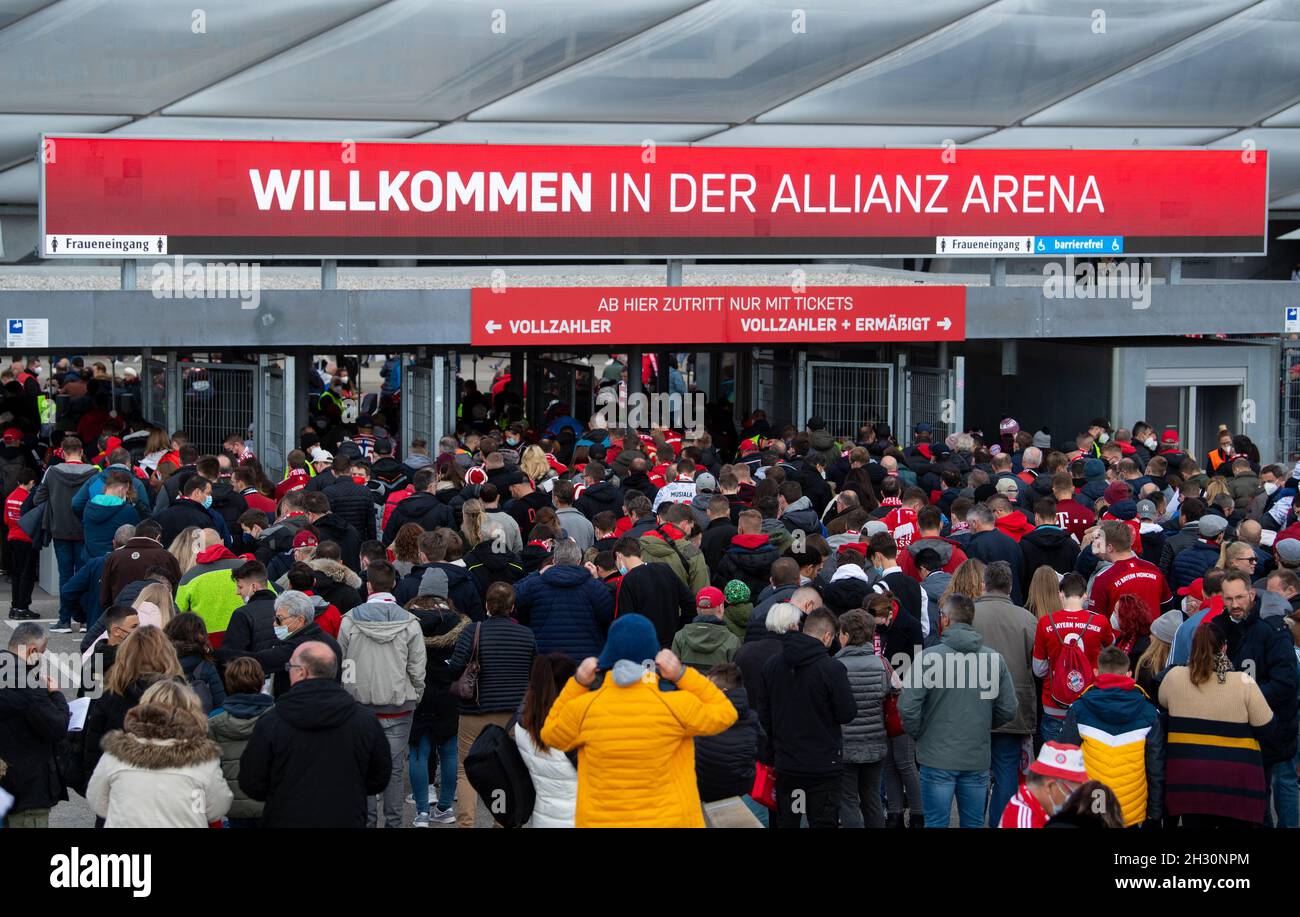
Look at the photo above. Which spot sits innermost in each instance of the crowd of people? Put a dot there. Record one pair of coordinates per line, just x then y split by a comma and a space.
837, 631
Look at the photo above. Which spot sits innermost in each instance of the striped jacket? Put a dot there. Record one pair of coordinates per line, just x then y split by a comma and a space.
1213, 764
1123, 745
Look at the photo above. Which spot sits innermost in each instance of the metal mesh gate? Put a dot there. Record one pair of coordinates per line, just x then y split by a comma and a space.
846, 395
928, 393
417, 405
217, 401
153, 392
1290, 431
273, 424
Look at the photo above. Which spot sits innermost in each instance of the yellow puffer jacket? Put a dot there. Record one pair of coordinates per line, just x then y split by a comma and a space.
636, 757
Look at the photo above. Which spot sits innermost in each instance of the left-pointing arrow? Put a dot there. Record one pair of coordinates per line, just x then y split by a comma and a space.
492, 327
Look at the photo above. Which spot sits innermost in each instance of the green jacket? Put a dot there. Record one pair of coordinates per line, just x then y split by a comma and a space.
694, 573
705, 642
209, 592
954, 695
737, 617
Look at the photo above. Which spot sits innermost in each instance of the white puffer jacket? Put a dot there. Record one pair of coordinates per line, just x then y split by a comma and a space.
555, 782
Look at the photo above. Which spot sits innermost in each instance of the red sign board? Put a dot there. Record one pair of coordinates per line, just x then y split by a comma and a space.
137, 197
621, 316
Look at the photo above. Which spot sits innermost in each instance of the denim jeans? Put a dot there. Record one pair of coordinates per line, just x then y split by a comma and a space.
761, 812
1004, 773
1050, 729
1286, 793
397, 729
420, 754
938, 788
71, 556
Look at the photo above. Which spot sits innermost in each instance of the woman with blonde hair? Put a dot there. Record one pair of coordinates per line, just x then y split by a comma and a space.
155, 604
533, 463
405, 548
156, 446
160, 764
473, 516
1217, 487
968, 580
144, 657
191, 542
1044, 592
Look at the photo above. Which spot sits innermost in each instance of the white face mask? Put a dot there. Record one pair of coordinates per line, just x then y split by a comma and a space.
1270, 488
1114, 621
1103, 438
1150, 442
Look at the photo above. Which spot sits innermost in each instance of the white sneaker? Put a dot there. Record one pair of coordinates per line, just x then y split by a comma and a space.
443, 816
421, 820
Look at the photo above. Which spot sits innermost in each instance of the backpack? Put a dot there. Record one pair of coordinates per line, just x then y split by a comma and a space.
1071, 672
498, 774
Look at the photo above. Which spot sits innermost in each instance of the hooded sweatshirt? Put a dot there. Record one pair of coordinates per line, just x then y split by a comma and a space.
230, 726
385, 645
207, 590
705, 642
800, 516
808, 700
103, 516
1014, 524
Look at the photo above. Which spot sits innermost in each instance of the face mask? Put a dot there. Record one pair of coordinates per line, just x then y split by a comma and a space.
1150, 442
207, 502
622, 570
626, 672
344, 380
511, 441
1104, 438
1114, 621
1227, 450
1270, 488
1058, 806
281, 631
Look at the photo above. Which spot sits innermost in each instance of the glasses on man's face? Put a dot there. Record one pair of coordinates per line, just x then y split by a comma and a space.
290, 666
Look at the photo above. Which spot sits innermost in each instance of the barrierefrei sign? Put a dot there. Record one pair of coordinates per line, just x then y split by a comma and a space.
141, 197
613, 316
22, 333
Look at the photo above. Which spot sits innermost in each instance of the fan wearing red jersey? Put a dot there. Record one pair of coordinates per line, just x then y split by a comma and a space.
1127, 574
1074, 625
1051, 780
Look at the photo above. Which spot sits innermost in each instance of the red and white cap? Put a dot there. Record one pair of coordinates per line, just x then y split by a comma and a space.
476, 475
1065, 762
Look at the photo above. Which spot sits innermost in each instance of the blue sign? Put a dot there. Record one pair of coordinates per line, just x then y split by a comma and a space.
1079, 245
15, 326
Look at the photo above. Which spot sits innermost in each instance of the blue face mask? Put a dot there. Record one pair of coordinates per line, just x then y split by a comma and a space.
622, 570
207, 502
281, 631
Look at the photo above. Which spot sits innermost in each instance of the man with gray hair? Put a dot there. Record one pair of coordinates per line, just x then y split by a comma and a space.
954, 696
1008, 629
567, 608
33, 721
781, 619
317, 756
295, 624
989, 544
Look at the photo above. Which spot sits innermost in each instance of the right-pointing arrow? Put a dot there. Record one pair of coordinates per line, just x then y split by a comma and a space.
946, 323
492, 327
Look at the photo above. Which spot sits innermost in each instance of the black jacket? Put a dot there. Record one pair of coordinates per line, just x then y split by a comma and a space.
106, 713
337, 585
600, 497
846, 594
806, 699
229, 503
900, 637
906, 590
715, 540
1263, 648
724, 763
180, 515
639, 480
353, 502
488, 566
314, 758
277, 656
1180, 541
750, 561
251, 628
524, 510
437, 715
751, 657
1048, 546
994, 545
424, 509
33, 722
505, 656
655, 591
462, 588
333, 527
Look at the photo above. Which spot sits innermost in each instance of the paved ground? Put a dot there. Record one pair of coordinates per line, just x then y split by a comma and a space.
75, 813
